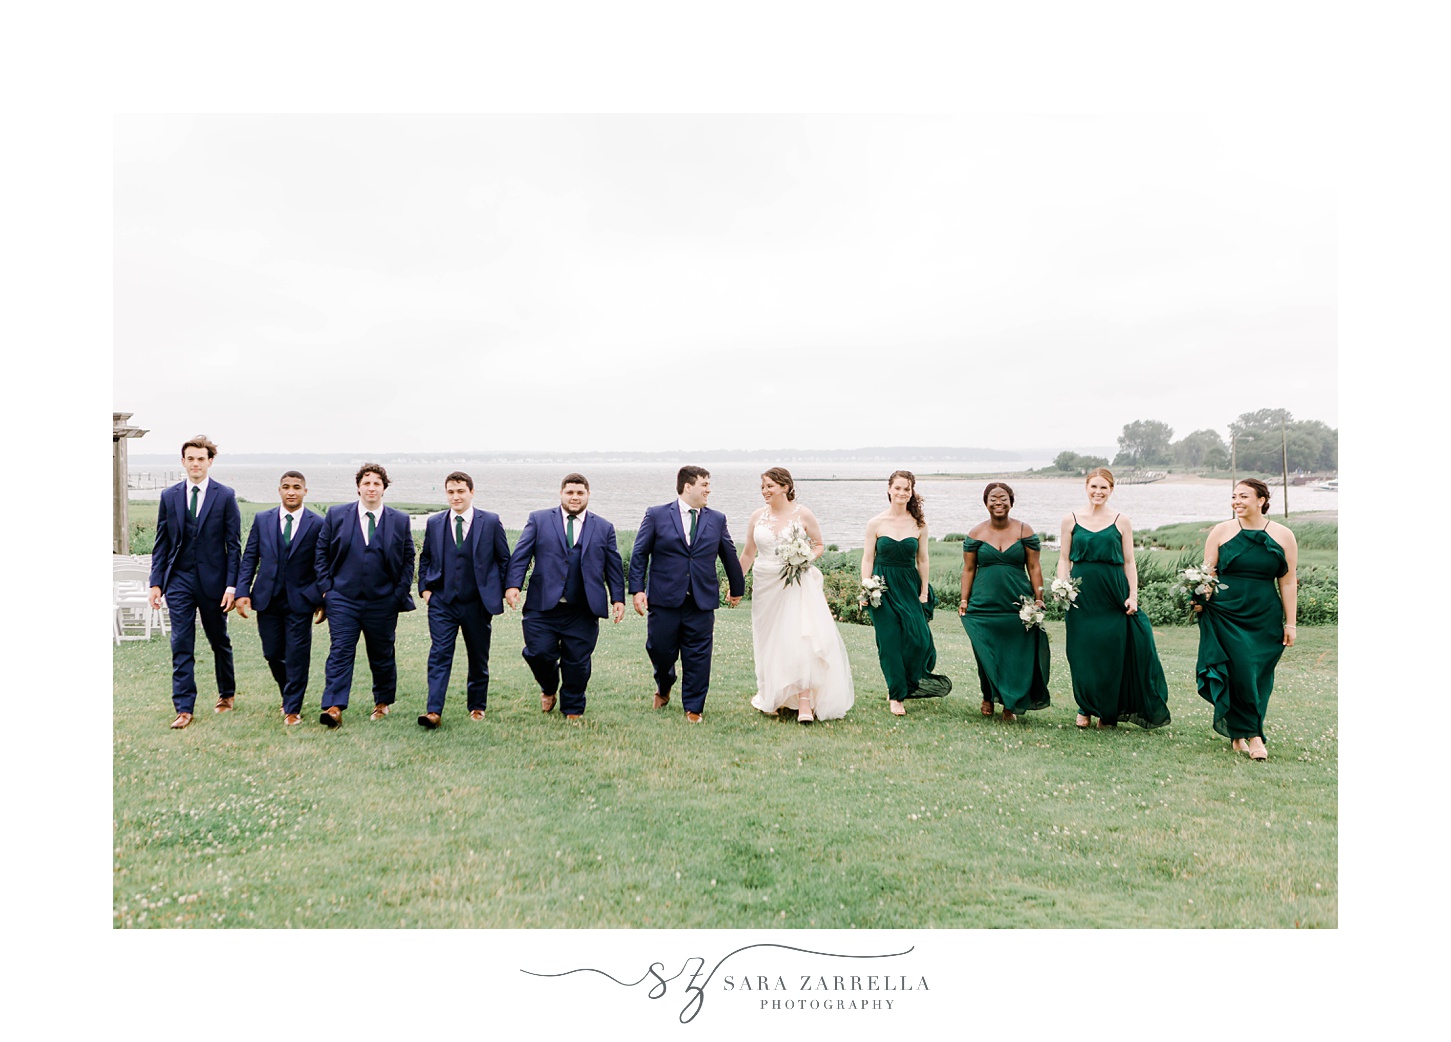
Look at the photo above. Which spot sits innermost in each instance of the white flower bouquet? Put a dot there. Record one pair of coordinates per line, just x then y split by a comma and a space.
871, 592
1199, 582
1030, 613
1065, 591
795, 551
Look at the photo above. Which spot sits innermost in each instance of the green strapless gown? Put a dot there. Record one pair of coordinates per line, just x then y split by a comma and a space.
1012, 662
1241, 634
904, 640
1116, 670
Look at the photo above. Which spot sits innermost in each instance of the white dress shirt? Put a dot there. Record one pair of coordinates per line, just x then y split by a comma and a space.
283, 514
685, 509
578, 524
363, 520
201, 496
467, 515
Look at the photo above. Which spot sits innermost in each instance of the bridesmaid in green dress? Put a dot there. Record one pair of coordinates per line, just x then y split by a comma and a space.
1244, 628
999, 565
896, 550
1116, 670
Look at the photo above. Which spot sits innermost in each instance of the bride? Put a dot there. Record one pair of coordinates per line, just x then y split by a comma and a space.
800, 657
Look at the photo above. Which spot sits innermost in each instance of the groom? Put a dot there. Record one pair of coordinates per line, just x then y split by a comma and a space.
678, 544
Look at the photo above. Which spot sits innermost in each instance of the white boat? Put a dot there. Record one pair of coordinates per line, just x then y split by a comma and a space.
1333, 485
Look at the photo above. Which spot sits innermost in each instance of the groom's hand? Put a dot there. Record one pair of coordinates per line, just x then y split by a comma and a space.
640, 603
618, 610
511, 596
732, 601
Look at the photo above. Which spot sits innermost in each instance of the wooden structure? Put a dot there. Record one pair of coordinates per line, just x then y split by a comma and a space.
121, 432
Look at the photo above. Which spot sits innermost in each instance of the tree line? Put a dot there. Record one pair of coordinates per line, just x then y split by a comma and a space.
1310, 445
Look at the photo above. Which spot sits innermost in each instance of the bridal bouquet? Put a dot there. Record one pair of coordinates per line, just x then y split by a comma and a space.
1030, 613
796, 552
1065, 591
872, 590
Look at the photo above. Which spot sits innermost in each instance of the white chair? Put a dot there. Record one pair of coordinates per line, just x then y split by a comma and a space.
135, 570
134, 616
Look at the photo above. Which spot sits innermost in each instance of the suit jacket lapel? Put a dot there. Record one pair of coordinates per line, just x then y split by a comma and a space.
556, 522
304, 520
210, 499
674, 509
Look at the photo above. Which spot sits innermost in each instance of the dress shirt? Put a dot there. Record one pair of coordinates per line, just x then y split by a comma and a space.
685, 509
467, 515
578, 524
283, 514
363, 519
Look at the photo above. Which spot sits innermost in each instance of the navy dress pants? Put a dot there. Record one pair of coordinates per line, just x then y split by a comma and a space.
685, 632
287, 647
445, 622
183, 602
377, 623
559, 645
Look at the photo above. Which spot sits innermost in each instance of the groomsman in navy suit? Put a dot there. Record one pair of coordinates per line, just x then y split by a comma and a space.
678, 545
194, 565
575, 557
461, 580
279, 579
364, 561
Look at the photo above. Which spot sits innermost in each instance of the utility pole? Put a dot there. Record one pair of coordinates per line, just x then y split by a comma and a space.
1285, 466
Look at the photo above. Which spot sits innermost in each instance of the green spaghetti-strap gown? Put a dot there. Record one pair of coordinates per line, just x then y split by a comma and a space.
904, 640
1241, 634
1116, 670
1012, 662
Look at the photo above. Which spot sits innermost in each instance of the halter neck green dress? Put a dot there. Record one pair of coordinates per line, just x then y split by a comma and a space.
1012, 662
1116, 670
1241, 634
904, 640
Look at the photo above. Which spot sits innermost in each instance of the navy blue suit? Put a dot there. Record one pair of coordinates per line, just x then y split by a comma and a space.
465, 591
282, 584
566, 598
680, 583
365, 586
193, 562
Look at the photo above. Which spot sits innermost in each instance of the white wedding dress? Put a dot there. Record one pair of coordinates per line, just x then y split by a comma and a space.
797, 646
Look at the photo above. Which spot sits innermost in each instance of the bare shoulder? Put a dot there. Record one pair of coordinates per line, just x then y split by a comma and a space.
806, 514
1222, 531
1027, 529
1281, 534
1124, 525
978, 530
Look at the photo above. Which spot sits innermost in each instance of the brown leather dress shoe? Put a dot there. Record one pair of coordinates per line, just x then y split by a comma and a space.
332, 716
428, 720
380, 710
693, 718
573, 718
476, 715
661, 701
292, 719
224, 705
546, 702
182, 720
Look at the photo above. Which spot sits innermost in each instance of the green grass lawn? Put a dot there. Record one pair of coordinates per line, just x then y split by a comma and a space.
939, 819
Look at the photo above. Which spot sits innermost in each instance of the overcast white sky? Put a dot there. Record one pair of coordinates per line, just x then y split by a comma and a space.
415, 283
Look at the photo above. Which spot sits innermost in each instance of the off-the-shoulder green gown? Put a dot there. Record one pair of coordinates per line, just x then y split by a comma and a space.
1012, 662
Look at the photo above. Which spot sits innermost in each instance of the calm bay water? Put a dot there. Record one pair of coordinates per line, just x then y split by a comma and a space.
844, 495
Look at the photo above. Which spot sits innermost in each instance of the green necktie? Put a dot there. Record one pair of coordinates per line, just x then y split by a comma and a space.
287, 532
458, 532
371, 527
692, 526
194, 490
570, 530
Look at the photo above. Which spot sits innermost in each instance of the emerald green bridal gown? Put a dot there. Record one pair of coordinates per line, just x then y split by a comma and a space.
1012, 662
1116, 670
